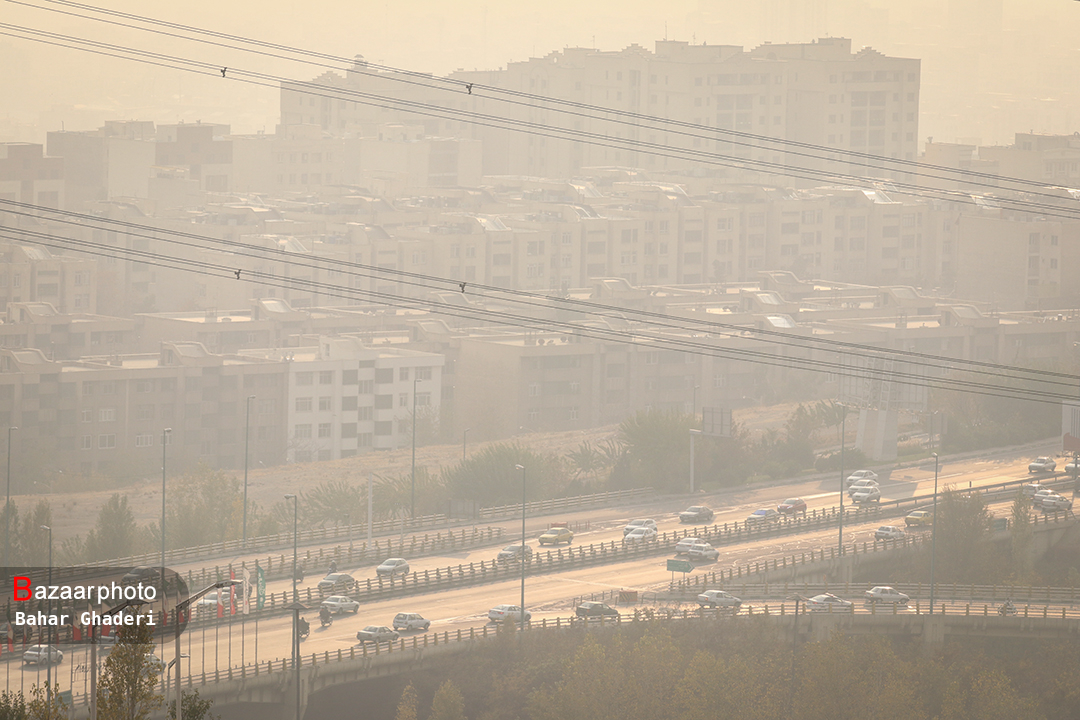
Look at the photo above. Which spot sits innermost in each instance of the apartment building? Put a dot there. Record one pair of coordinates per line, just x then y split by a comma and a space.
114, 161
27, 175
31, 273
350, 395
66, 336
108, 414
819, 92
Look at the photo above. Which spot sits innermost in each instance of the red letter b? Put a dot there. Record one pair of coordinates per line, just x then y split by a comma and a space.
22, 583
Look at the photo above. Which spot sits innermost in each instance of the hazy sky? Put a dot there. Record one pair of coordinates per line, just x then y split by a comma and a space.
990, 67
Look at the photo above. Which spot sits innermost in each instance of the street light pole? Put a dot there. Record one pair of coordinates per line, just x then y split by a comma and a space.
7, 505
412, 501
693, 475
247, 439
164, 444
295, 596
522, 469
464, 443
49, 646
843, 442
693, 405
933, 536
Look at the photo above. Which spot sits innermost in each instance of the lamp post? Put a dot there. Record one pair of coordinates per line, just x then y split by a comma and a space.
794, 650
296, 504
412, 501
168, 684
693, 404
7, 505
164, 444
843, 442
522, 469
296, 608
247, 440
48, 646
693, 435
182, 607
933, 536
464, 443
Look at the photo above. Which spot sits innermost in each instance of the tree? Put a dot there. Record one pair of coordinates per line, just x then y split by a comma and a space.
115, 534
1020, 535
447, 703
963, 528
12, 705
126, 687
46, 705
194, 708
489, 478
34, 541
407, 708
657, 449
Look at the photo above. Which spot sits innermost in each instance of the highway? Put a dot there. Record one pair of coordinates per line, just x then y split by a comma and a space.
547, 596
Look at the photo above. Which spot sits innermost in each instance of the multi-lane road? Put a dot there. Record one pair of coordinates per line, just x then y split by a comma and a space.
547, 595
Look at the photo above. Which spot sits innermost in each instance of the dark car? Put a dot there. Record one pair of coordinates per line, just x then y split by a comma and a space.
792, 506
696, 514
144, 574
595, 609
337, 583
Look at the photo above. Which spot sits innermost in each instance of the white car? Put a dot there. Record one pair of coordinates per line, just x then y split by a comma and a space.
392, 567
718, 598
377, 634
635, 524
1054, 502
640, 534
861, 484
886, 594
860, 475
827, 602
866, 495
697, 549
42, 655
340, 604
763, 516
890, 532
411, 621
500, 613
1042, 464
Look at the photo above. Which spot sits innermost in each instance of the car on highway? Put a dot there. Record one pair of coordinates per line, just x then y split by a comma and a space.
392, 567
790, 506
42, 655
411, 621
827, 602
696, 549
340, 604
555, 535
919, 518
886, 594
861, 485
718, 598
512, 553
595, 609
144, 574
696, 514
501, 613
1042, 464
640, 535
866, 496
337, 581
635, 524
1053, 502
763, 516
890, 532
860, 475
377, 634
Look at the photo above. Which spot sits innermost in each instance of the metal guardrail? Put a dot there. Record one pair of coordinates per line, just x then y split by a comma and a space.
383, 527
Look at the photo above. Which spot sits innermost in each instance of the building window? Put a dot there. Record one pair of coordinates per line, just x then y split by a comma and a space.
87, 442
305, 378
403, 373
325, 403
144, 412
574, 412
144, 441
302, 432
534, 389
324, 430
403, 400
326, 377
107, 415
423, 399
106, 442
423, 373
144, 386
88, 416
303, 404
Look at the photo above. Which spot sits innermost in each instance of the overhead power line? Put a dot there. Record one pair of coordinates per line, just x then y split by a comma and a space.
427, 282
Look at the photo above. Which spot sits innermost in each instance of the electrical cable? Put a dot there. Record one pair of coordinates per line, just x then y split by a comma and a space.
424, 281
542, 130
